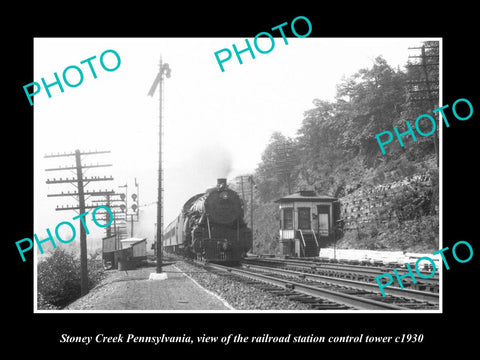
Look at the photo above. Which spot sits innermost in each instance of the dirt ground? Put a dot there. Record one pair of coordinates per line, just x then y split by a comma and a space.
132, 290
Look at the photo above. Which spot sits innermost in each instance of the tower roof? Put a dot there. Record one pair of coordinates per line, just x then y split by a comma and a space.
305, 195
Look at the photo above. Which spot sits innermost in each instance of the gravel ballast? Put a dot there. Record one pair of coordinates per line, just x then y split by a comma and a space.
238, 294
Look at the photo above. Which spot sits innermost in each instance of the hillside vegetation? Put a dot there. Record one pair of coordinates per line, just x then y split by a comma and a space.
335, 152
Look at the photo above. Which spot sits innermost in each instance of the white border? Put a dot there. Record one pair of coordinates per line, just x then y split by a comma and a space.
234, 311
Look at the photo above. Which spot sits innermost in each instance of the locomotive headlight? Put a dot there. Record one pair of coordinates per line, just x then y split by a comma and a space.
224, 195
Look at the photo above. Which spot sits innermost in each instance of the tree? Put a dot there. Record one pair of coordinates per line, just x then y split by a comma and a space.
276, 173
336, 151
58, 278
370, 102
318, 144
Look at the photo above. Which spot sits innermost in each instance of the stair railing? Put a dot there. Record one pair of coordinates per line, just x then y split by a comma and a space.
303, 241
315, 237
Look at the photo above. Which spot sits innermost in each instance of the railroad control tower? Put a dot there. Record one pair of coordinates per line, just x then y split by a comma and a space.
306, 223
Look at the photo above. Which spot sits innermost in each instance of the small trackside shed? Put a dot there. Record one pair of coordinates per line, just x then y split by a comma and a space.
124, 251
138, 245
306, 223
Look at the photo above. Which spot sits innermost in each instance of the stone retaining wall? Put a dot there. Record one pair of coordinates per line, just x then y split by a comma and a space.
374, 204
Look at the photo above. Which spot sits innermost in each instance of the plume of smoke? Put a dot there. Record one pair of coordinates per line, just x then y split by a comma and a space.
193, 171
213, 161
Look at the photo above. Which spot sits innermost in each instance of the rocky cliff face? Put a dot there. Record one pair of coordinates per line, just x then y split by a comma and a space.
380, 203
400, 215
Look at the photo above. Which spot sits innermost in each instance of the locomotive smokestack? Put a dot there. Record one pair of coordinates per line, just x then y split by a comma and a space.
221, 184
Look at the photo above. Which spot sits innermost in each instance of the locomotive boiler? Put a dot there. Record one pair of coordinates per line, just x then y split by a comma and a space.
210, 227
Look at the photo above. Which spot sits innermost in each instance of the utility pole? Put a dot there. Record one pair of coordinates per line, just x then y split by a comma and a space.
250, 179
427, 89
163, 69
80, 182
247, 202
83, 234
243, 191
285, 164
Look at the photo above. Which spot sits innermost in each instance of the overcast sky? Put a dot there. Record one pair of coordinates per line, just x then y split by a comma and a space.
216, 124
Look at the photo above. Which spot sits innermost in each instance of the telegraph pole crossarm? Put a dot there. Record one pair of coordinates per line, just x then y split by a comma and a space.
78, 207
426, 89
72, 180
79, 182
91, 193
74, 153
74, 167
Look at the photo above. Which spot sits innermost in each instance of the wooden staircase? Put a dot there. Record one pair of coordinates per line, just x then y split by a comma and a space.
309, 244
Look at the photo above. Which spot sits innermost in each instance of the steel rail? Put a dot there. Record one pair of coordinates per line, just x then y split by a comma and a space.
391, 290
346, 268
338, 297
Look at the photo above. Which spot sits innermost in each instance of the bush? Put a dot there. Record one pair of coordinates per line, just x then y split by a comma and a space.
58, 278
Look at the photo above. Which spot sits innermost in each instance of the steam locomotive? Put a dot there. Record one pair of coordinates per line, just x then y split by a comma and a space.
210, 227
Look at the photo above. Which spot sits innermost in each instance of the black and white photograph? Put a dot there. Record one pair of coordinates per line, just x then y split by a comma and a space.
275, 194
270, 187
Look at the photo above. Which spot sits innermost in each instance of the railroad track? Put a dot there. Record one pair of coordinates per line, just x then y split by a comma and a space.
320, 297
421, 296
346, 271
